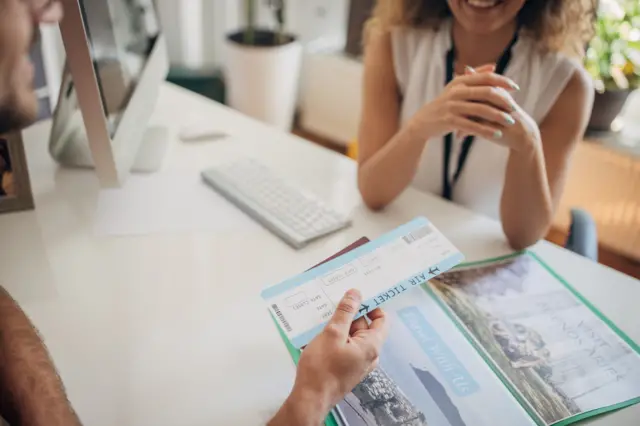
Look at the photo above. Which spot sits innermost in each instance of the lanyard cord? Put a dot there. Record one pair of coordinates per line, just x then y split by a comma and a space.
447, 183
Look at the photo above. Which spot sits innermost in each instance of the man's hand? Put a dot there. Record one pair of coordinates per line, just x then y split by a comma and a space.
31, 392
334, 363
344, 353
45, 11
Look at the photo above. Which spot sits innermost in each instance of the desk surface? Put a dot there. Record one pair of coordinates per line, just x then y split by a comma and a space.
137, 326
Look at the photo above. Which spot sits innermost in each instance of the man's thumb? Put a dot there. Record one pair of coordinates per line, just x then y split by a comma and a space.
346, 310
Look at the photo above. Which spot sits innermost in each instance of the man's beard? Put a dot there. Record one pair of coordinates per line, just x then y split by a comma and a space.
13, 116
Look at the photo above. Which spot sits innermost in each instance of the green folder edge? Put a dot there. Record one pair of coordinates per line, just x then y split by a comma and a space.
499, 374
331, 421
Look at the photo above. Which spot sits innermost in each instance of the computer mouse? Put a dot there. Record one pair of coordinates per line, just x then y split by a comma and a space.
201, 133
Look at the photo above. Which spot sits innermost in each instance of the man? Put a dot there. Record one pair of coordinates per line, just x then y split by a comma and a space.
32, 394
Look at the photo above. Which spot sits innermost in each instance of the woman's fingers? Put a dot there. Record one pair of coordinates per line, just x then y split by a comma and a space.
486, 79
483, 68
487, 95
486, 68
484, 130
469, 70
481, 111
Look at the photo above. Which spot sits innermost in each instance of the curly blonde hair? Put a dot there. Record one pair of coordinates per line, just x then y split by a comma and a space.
556, 25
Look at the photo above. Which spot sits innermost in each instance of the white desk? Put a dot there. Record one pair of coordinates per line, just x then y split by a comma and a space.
135, 325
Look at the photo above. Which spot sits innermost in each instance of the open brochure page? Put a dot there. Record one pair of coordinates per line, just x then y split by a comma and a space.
559, 357
429, 374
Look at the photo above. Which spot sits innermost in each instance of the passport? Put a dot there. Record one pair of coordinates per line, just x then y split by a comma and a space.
362, 241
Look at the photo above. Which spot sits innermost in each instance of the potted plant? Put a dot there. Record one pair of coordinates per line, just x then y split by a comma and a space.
263, 67
613, 59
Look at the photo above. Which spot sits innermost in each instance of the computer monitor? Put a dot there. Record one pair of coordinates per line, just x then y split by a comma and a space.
116, 61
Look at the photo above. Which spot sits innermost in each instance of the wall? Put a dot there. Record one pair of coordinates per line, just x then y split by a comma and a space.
196, 29
48, 58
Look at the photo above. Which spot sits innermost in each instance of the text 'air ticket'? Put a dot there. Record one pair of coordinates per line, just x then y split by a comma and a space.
381, 270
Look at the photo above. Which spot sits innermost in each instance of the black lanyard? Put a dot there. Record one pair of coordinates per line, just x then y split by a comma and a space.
447, 184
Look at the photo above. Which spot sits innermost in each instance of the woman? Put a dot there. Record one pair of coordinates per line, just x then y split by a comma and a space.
438, 114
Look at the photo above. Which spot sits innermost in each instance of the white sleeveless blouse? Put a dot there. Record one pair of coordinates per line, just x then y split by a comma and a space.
419, 64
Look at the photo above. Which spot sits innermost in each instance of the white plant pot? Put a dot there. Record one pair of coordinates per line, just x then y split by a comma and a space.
262, 81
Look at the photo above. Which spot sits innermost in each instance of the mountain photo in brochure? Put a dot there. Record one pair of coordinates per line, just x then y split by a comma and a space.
559, 356
498, 342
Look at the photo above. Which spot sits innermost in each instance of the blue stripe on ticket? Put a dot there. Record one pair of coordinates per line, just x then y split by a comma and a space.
413, 281
294, 282
384, 297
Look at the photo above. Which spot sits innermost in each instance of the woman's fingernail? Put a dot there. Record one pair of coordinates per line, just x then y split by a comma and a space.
509, 119
469, 69
514, 107
497, 134
513, 85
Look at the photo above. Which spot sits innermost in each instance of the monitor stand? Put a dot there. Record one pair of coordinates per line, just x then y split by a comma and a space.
152, 150
149, 159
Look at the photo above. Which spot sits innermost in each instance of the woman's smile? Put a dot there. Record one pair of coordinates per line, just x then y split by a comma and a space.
483, 6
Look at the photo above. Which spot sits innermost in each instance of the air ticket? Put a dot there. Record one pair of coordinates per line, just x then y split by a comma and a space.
381, 270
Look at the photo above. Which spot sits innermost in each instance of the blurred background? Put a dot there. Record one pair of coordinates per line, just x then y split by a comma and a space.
304, 59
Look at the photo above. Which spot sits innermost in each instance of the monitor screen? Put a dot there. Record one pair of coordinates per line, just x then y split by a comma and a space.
116, 63
121, 34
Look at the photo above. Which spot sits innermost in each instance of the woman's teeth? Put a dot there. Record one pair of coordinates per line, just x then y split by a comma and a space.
484, 4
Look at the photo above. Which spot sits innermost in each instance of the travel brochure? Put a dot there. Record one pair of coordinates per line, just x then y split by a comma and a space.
500, 342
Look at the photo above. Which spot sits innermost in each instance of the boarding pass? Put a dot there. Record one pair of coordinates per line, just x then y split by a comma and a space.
381, 270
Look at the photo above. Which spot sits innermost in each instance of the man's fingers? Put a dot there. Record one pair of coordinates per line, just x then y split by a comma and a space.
346, 312
376, 314
358, 325
379, 322
371, 340
50, 13
361, 324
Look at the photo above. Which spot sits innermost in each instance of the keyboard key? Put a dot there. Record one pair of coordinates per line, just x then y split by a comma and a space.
256, 190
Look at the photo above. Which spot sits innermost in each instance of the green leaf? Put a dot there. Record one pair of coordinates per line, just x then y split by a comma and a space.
616, 42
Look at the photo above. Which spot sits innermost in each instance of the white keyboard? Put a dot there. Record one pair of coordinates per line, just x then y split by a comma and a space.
286, 210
